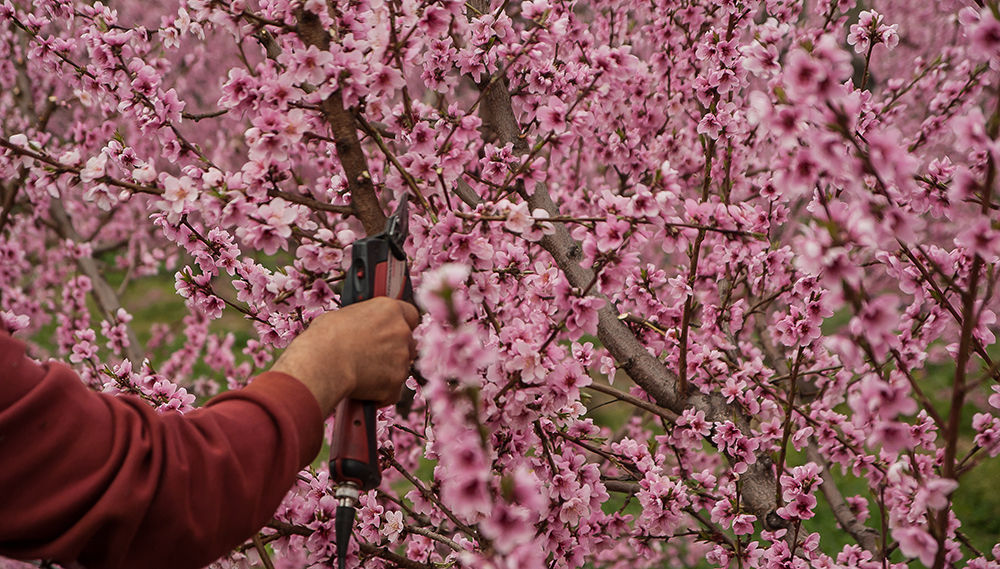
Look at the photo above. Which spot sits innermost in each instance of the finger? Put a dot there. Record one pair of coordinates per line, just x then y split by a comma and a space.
410, 314
392, 399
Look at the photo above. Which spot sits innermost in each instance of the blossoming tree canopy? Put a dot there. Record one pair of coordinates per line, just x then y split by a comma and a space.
706, 283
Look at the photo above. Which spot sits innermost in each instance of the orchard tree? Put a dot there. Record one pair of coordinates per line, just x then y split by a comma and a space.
767, 230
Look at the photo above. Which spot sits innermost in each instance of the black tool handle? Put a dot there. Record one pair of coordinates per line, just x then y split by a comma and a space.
375, 271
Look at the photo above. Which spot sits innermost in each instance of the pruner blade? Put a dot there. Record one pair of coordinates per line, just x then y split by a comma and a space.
397, 228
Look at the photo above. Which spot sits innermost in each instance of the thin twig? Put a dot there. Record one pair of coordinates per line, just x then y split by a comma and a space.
433, 499
265, 557
311, 203
665, 414
433, 535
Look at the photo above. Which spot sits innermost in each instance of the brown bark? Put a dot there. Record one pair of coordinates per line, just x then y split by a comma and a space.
344, 127
758, 482
867, 537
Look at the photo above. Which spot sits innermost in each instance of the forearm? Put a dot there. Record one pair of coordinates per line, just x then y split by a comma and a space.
326, 387
109, 482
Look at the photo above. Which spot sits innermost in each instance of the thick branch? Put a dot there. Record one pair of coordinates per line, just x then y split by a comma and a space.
866, 537
758, 482
364, 202
7, 197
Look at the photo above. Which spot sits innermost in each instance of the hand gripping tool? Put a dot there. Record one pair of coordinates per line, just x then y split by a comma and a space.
378, 268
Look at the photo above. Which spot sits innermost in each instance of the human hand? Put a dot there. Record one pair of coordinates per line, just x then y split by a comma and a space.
362, 351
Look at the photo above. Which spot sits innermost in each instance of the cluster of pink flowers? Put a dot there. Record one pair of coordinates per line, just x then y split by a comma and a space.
782, 233
870, 31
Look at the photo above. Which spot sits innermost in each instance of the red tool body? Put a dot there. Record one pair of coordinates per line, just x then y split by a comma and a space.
378, 268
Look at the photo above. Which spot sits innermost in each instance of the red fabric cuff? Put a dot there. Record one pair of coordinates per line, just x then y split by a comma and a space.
291, 395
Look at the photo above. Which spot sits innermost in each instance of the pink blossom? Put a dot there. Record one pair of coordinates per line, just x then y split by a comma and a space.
802, 72
987, 432
70, 157
876, 320
273, 227
722, 512
84, 348
583, 314
308, 65
816, 74
981, 239
985, 34
509, 526
435, 20
552, 117
179, 193
145, 80
750, 196
743, 524
144, 174
870, 30
533, 9
388, 79
518, 218
95, 168
891, 435
612, 234
934, 494
887, 400
102, 196
859, 507
800, 508
13, 322
915, 542
393, 525
539, 228
238, 91
695, 421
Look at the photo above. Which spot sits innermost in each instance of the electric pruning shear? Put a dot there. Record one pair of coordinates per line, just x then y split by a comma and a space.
378, 268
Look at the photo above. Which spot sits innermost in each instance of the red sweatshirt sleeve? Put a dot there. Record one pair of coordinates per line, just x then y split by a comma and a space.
110, 483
